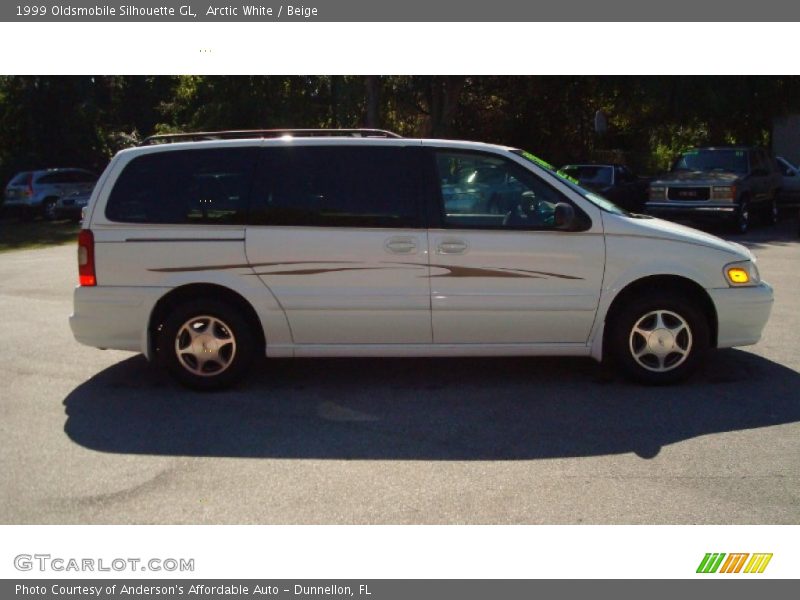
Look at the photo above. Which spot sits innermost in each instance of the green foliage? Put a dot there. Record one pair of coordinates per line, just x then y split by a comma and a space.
84, 120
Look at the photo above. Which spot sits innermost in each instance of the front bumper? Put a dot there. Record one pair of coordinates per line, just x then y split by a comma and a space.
113, 317
742, 313
692, 210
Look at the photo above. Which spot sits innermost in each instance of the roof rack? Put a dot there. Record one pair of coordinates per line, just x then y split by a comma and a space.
199, 136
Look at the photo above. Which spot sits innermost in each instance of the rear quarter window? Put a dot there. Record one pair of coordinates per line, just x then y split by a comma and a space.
68, 177
184, 187
54, 178
83, 177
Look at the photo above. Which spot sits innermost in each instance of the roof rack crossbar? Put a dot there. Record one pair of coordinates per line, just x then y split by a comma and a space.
198, 136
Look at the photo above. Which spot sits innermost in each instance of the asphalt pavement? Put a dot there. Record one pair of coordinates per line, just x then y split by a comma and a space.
91, 436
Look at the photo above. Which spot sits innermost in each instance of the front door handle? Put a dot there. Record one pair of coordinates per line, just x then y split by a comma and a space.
401, 245
451, 247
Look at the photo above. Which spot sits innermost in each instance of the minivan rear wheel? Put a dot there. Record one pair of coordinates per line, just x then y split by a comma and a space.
658, 339
206, 344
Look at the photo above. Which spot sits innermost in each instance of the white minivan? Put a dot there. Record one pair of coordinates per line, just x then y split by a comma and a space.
205, 251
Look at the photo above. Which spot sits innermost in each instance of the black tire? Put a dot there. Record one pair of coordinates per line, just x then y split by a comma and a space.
216, 375
49, 212
743, 217
771, 211
691, 344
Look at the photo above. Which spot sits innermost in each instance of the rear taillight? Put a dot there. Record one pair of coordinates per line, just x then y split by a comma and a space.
86, 275
29, 192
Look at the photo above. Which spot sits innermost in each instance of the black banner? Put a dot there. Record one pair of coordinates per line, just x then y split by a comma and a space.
405, 11
394, 589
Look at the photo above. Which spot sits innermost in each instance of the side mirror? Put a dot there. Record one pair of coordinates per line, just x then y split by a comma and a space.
564, 216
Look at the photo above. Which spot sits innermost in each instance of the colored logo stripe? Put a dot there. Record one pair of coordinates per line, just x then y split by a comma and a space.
758, 563
710, 562
733, 564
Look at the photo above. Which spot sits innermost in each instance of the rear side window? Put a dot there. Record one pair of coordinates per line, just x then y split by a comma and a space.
338, 186
184, 186
23, 178
50, 178
82, 177
55, 178
68, 177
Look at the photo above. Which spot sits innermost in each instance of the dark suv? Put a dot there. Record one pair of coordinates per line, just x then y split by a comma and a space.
719, 183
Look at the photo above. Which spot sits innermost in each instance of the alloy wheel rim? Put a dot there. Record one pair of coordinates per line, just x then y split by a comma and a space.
660, 341
205, 346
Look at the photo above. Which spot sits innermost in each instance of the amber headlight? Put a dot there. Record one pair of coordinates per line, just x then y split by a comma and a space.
658, 192
742, 273
723, 192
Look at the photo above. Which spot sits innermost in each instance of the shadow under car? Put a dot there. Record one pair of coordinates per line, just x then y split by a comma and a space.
426, 409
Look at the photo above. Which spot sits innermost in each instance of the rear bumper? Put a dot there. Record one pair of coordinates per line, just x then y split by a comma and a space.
69, 211
23, 201
113, 317
18, 207
742, 314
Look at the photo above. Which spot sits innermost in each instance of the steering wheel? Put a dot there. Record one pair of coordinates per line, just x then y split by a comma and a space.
525, 213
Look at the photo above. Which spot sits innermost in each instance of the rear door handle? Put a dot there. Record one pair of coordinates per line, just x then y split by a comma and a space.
451, 247
401, 245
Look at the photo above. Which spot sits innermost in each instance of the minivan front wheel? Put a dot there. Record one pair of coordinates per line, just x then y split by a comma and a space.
658, 339
206, 344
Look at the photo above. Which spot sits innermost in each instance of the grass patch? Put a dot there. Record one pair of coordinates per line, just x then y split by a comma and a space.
18, 235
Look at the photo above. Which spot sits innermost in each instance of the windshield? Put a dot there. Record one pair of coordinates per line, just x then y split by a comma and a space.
590, 174
732, 161
572, 183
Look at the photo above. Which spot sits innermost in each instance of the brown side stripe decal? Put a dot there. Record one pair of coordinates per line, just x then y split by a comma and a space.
248, 266
478, 272
452, 271
544, 273
318, 271
456, 271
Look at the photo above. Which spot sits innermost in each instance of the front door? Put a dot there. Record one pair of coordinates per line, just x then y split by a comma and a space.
508, 275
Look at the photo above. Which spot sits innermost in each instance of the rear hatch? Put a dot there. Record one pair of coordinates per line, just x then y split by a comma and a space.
20, 186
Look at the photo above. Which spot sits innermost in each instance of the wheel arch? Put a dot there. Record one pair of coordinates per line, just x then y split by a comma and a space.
193, 291
665, 283
49, 198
